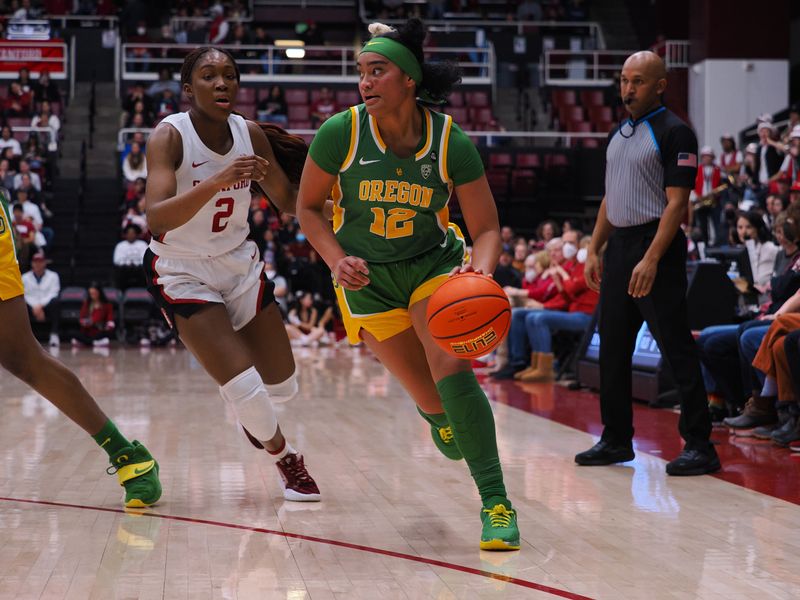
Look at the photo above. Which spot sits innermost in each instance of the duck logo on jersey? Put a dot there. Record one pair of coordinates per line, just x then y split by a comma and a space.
426, 171
399, 171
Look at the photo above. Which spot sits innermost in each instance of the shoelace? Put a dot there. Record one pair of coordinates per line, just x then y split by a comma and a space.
446, 433
499, 516
296, 467
116, 468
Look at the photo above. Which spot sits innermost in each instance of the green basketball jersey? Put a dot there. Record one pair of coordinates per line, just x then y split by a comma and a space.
7, 242
388, 208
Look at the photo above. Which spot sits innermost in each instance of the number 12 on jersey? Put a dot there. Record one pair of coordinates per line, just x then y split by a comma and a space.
397, 225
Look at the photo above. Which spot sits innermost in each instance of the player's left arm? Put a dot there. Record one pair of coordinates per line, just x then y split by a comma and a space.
276, 185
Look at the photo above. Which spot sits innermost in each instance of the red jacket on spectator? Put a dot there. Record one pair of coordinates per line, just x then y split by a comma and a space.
540, 289
98, 320
576, 295
716, 177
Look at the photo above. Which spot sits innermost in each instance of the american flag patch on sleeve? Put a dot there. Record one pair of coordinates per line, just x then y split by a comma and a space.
687, 159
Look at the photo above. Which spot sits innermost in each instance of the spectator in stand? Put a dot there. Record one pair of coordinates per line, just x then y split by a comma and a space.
708, 178
128, 255
775, 206
96, 319
219, 27
769, 152
24, 80
273, 108
6, 175
26, 237
753, 233
319, 277
135, 165
324, 108
281, 291
310, 33
518, 350
42, 287
520, 254
794, 194
749, 175
306, 325
165, 82
136, 216
535, 285
258, 225
7, 141
34, 154
570, 309
25, 169
139, 55
136, 95
45, 90
730, 159
17, 103
507, 238
273, 251
506, 275
31, 210
546, 231
135, 138
791, 162
794, 121
575, 11
167, 104
140, 117
135, 192
238, 36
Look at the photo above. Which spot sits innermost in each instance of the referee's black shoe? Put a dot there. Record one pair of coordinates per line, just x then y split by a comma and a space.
695, 461
604, 453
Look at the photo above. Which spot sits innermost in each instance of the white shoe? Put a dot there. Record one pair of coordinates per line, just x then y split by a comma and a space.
55, 340
101, 343
144, 343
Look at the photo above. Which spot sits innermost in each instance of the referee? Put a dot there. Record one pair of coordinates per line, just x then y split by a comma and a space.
651, 167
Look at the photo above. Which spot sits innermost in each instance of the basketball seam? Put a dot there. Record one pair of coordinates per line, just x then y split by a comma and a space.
462, 334
441, 308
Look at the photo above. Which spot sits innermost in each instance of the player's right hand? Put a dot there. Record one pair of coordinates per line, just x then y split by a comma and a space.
593, 271
249, 167
351, 273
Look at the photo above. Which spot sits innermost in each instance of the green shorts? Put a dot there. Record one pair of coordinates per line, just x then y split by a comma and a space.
382, 307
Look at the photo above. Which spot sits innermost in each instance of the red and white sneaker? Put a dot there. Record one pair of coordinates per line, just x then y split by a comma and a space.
298, 486
794, 446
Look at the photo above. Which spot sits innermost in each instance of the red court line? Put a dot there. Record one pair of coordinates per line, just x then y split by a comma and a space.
297, 536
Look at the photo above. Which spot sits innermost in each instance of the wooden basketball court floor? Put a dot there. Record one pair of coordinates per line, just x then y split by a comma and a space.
397, 519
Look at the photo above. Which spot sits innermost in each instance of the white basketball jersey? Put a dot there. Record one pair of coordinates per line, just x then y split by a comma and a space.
221, 225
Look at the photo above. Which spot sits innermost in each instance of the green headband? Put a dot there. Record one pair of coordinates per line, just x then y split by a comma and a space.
398, 54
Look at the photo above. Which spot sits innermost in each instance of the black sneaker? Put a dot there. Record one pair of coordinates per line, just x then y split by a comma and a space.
787, 433
695, 462
507, 372
604, 453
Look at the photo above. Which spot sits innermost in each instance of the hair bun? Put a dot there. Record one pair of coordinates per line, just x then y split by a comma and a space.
377, 29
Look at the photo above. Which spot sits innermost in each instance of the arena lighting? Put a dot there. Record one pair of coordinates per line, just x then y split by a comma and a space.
294, 48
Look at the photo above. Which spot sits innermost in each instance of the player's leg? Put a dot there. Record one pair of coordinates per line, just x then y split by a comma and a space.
404, 356
24, 358
268, 345
470, 415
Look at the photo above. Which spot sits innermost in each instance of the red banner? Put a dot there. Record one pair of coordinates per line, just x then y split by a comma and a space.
35, 56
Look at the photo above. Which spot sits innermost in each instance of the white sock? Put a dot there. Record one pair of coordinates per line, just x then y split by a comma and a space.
770, 387
280, 454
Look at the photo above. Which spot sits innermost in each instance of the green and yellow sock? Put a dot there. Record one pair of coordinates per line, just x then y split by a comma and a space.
472, 421
110, 439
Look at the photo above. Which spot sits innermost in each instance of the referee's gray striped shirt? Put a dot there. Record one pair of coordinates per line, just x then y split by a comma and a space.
643, 158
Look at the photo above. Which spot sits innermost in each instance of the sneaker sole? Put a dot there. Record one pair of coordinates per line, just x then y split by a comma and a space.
293, 496
696, 472
136, 503
794, 448
604, 462
499, 545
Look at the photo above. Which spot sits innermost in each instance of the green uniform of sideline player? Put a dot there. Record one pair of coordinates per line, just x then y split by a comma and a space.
390, 166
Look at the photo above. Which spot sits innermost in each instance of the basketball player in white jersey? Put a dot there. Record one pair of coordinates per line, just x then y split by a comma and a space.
203, 272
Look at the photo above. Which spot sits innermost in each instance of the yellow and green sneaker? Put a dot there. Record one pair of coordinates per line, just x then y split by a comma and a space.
500, 530
137, 472
443, 438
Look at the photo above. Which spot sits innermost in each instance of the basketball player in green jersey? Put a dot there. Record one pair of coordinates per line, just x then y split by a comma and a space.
23, 357
390, 166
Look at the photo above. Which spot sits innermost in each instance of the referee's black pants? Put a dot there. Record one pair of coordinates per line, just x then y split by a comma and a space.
665, 311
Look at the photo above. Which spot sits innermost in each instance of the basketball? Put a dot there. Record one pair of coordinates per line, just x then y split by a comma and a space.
469, 315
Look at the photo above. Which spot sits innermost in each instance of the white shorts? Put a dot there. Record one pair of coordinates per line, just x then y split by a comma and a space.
235, 279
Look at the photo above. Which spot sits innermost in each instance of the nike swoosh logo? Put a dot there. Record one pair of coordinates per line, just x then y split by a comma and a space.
363, 162
105, 442
138, 471
195, 165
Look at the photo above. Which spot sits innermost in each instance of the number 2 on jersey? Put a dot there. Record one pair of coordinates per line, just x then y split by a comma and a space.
226, 204
398, 225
